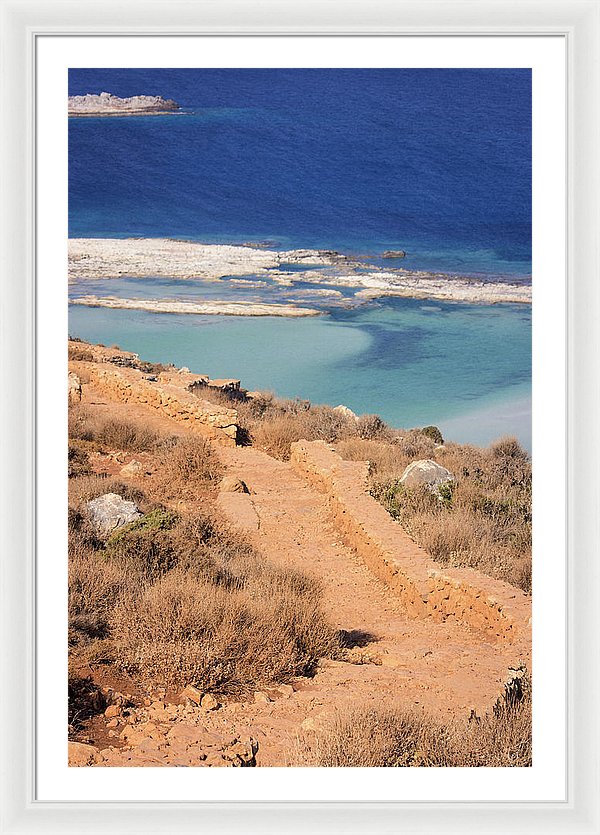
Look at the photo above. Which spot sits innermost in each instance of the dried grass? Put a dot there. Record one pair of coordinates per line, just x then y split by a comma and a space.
223, 638
110, 433
483, 519
186, 464
380, 737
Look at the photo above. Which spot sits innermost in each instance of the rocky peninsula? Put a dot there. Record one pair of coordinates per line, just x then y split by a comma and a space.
106, 104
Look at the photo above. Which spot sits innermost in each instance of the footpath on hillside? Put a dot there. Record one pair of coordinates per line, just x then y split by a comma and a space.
440, 669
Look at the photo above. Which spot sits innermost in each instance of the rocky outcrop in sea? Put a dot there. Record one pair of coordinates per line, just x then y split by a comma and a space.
108, 105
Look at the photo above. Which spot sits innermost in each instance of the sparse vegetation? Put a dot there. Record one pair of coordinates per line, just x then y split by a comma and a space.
482, 519
110, 433
386, 738
186, 464
273, 424
175, 598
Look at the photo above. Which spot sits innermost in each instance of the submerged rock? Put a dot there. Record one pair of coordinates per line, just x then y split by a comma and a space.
394, 253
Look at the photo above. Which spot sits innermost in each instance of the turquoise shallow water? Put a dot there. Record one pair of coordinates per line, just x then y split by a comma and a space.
466, 368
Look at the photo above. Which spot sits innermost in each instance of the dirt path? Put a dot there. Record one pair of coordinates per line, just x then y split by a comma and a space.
442, 670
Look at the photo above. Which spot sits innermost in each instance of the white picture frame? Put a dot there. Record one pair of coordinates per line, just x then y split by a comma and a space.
22, 22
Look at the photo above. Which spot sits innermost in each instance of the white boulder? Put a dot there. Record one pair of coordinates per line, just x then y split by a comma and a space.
426, 472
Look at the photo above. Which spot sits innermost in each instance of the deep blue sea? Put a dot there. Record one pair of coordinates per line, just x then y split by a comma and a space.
436, 162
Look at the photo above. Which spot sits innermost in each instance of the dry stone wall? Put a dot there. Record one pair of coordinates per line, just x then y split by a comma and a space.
166, 393
502, 613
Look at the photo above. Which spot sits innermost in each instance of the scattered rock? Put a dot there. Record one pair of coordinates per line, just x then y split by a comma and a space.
112, 710
82, 755
242, 753
134, 468
74, 388
110, 512
208, 702
230, 484
426, 472
114, 723
193, 694
286, 690
261, 697
133, 735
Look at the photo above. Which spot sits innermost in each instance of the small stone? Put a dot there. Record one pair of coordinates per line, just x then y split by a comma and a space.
114, 723
208, 702
426, 472
261, 697
134, 468
192, 693
286, 690
81, 754
112, 710
230, 484
110, 512
131, 735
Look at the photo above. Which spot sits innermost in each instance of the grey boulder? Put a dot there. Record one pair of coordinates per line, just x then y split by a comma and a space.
426, 472
110, 512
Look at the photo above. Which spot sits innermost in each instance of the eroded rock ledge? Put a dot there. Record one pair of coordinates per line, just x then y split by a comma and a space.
106, 104
502, 613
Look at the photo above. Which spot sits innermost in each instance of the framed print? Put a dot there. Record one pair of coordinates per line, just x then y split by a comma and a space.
300, 527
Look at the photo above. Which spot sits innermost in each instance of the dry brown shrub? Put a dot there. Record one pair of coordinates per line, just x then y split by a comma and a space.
186, 464
183, 630
415, 445
370, 427
84, 699
78, 461
391, 738
85, 488
78, 353
385, 459
276, 435
94, 587
315, 423
111, 433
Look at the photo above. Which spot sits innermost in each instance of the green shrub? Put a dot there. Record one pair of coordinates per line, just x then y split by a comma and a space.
434, 433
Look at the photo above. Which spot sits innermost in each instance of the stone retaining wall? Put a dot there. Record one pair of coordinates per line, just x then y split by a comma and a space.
166, 394
428, 590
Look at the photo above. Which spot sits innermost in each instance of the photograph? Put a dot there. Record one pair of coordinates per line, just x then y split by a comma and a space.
300, 436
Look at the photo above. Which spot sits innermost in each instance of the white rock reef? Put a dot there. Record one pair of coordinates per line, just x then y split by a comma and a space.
106, 104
